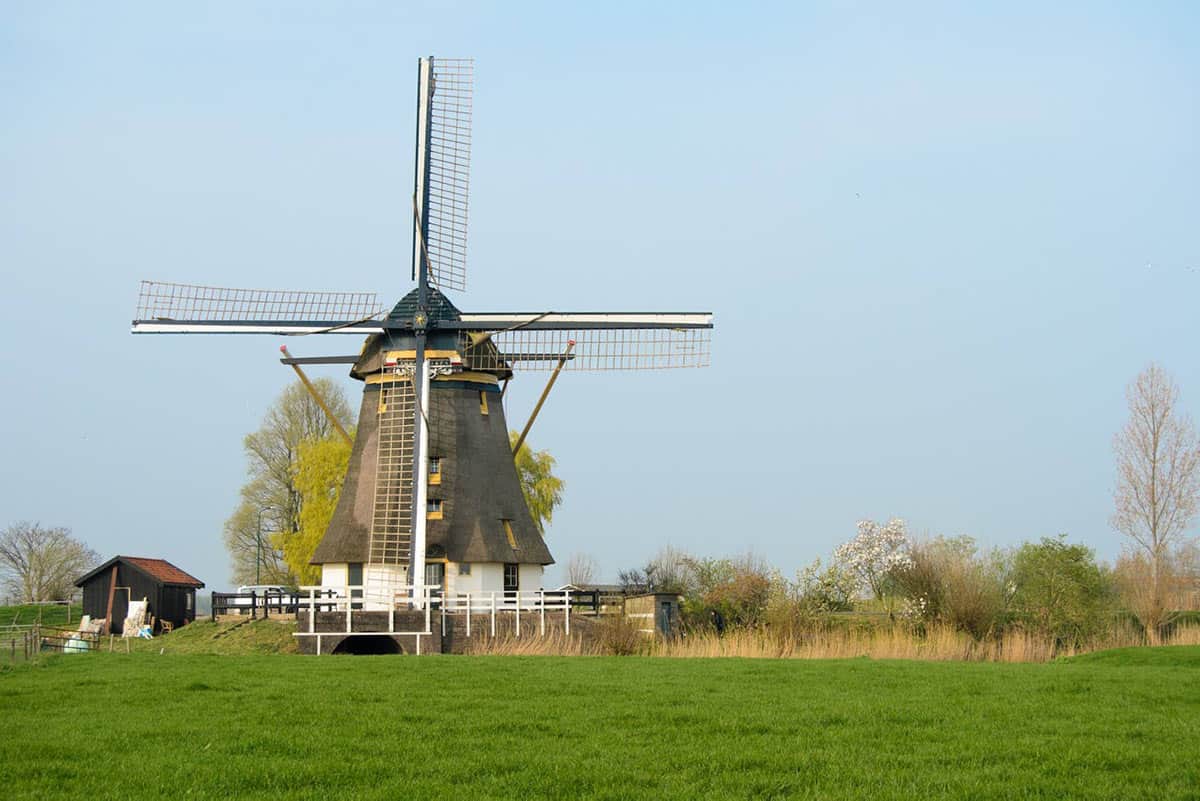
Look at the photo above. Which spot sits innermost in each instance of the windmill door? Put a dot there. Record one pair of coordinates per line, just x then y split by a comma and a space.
435, 576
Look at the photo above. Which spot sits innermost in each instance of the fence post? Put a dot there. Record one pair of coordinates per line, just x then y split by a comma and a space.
567, 611
213, 606
468, 614
541, 613
253, 604
312, 606
518, 611
493, 614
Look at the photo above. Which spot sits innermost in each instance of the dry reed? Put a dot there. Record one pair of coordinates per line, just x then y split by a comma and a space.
937, 644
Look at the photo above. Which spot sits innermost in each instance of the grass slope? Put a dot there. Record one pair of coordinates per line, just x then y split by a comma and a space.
47, 614
150, 726
228, 637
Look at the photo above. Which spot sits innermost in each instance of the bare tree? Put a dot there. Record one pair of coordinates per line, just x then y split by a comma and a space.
1158, 473
581, 569
41, 564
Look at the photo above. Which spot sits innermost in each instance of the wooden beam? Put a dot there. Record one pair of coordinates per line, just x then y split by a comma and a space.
316, 395
112, 589
549, 385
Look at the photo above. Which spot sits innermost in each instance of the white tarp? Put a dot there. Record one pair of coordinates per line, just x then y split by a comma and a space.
134, 618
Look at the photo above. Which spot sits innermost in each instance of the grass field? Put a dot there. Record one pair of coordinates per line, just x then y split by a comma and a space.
1113, 725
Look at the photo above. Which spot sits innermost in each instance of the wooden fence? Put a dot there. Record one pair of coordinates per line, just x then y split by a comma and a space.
26, 642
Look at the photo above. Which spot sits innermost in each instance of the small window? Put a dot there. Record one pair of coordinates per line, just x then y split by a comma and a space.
433, 509
187, 604
354, 578
512, 578
435, 574
508, 532
483, 403
435, 471
464, 568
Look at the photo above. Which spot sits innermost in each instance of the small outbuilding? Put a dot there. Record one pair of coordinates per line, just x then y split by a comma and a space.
169, 592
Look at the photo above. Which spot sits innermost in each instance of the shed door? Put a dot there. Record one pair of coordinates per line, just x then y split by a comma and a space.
665, 617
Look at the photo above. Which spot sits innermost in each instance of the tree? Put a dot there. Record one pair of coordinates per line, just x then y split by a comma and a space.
318, 473
268, 515
542, 489
1059, 590
876, 554
581, 569
41, 564
1158, 473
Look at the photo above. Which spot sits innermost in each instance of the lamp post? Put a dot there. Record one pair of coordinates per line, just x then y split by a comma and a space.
258, 549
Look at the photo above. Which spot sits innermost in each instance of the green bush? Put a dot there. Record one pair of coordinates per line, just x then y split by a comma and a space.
1060, 591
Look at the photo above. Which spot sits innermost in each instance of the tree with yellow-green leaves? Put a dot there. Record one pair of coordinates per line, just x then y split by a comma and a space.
267, 517
542, 489
318, 473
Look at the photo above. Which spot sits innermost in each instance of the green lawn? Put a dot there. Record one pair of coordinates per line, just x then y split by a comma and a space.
206, 726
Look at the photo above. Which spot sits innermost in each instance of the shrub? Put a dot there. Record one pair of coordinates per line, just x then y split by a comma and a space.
949, 581
616, 635
1155, 611
739, 590
1059, 591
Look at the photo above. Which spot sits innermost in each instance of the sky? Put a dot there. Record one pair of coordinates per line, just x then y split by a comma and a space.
938, 240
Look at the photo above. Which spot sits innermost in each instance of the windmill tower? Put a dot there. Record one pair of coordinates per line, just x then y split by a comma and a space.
431, 494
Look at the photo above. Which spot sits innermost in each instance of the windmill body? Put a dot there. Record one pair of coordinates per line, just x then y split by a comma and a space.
479, 536
431, 498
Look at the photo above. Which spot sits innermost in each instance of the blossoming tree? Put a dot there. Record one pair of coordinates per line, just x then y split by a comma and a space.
876, 554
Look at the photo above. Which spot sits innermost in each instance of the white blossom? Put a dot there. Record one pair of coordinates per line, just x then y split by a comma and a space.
876, 553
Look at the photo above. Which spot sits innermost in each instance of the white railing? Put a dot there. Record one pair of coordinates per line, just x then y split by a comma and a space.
348, 599
353, 598
538, 602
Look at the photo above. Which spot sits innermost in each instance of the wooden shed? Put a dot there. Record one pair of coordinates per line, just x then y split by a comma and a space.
654, 613
170, 593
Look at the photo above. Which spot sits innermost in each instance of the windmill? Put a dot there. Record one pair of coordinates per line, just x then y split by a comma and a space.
431, 481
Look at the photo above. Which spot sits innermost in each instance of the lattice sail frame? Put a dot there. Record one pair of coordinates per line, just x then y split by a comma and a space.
596, 349
391, 520
159, 300
449, 170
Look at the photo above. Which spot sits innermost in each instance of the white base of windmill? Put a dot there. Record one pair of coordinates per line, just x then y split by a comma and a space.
385, 585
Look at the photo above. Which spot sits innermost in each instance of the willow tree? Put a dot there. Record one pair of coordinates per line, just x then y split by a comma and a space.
318, 473
543, 490
268, 514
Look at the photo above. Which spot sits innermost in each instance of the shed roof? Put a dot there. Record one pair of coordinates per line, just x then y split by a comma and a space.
160, 570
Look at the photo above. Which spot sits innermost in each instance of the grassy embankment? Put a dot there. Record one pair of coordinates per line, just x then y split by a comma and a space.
1111, 725
46, 614
231, 636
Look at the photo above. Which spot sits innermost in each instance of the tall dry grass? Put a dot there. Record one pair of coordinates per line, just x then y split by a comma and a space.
936, 644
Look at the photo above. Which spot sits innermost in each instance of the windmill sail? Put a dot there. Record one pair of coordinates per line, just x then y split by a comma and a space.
603, 341
444, 168
391, 521
168, 308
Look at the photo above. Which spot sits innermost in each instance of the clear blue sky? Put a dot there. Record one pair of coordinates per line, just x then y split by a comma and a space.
924, 231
